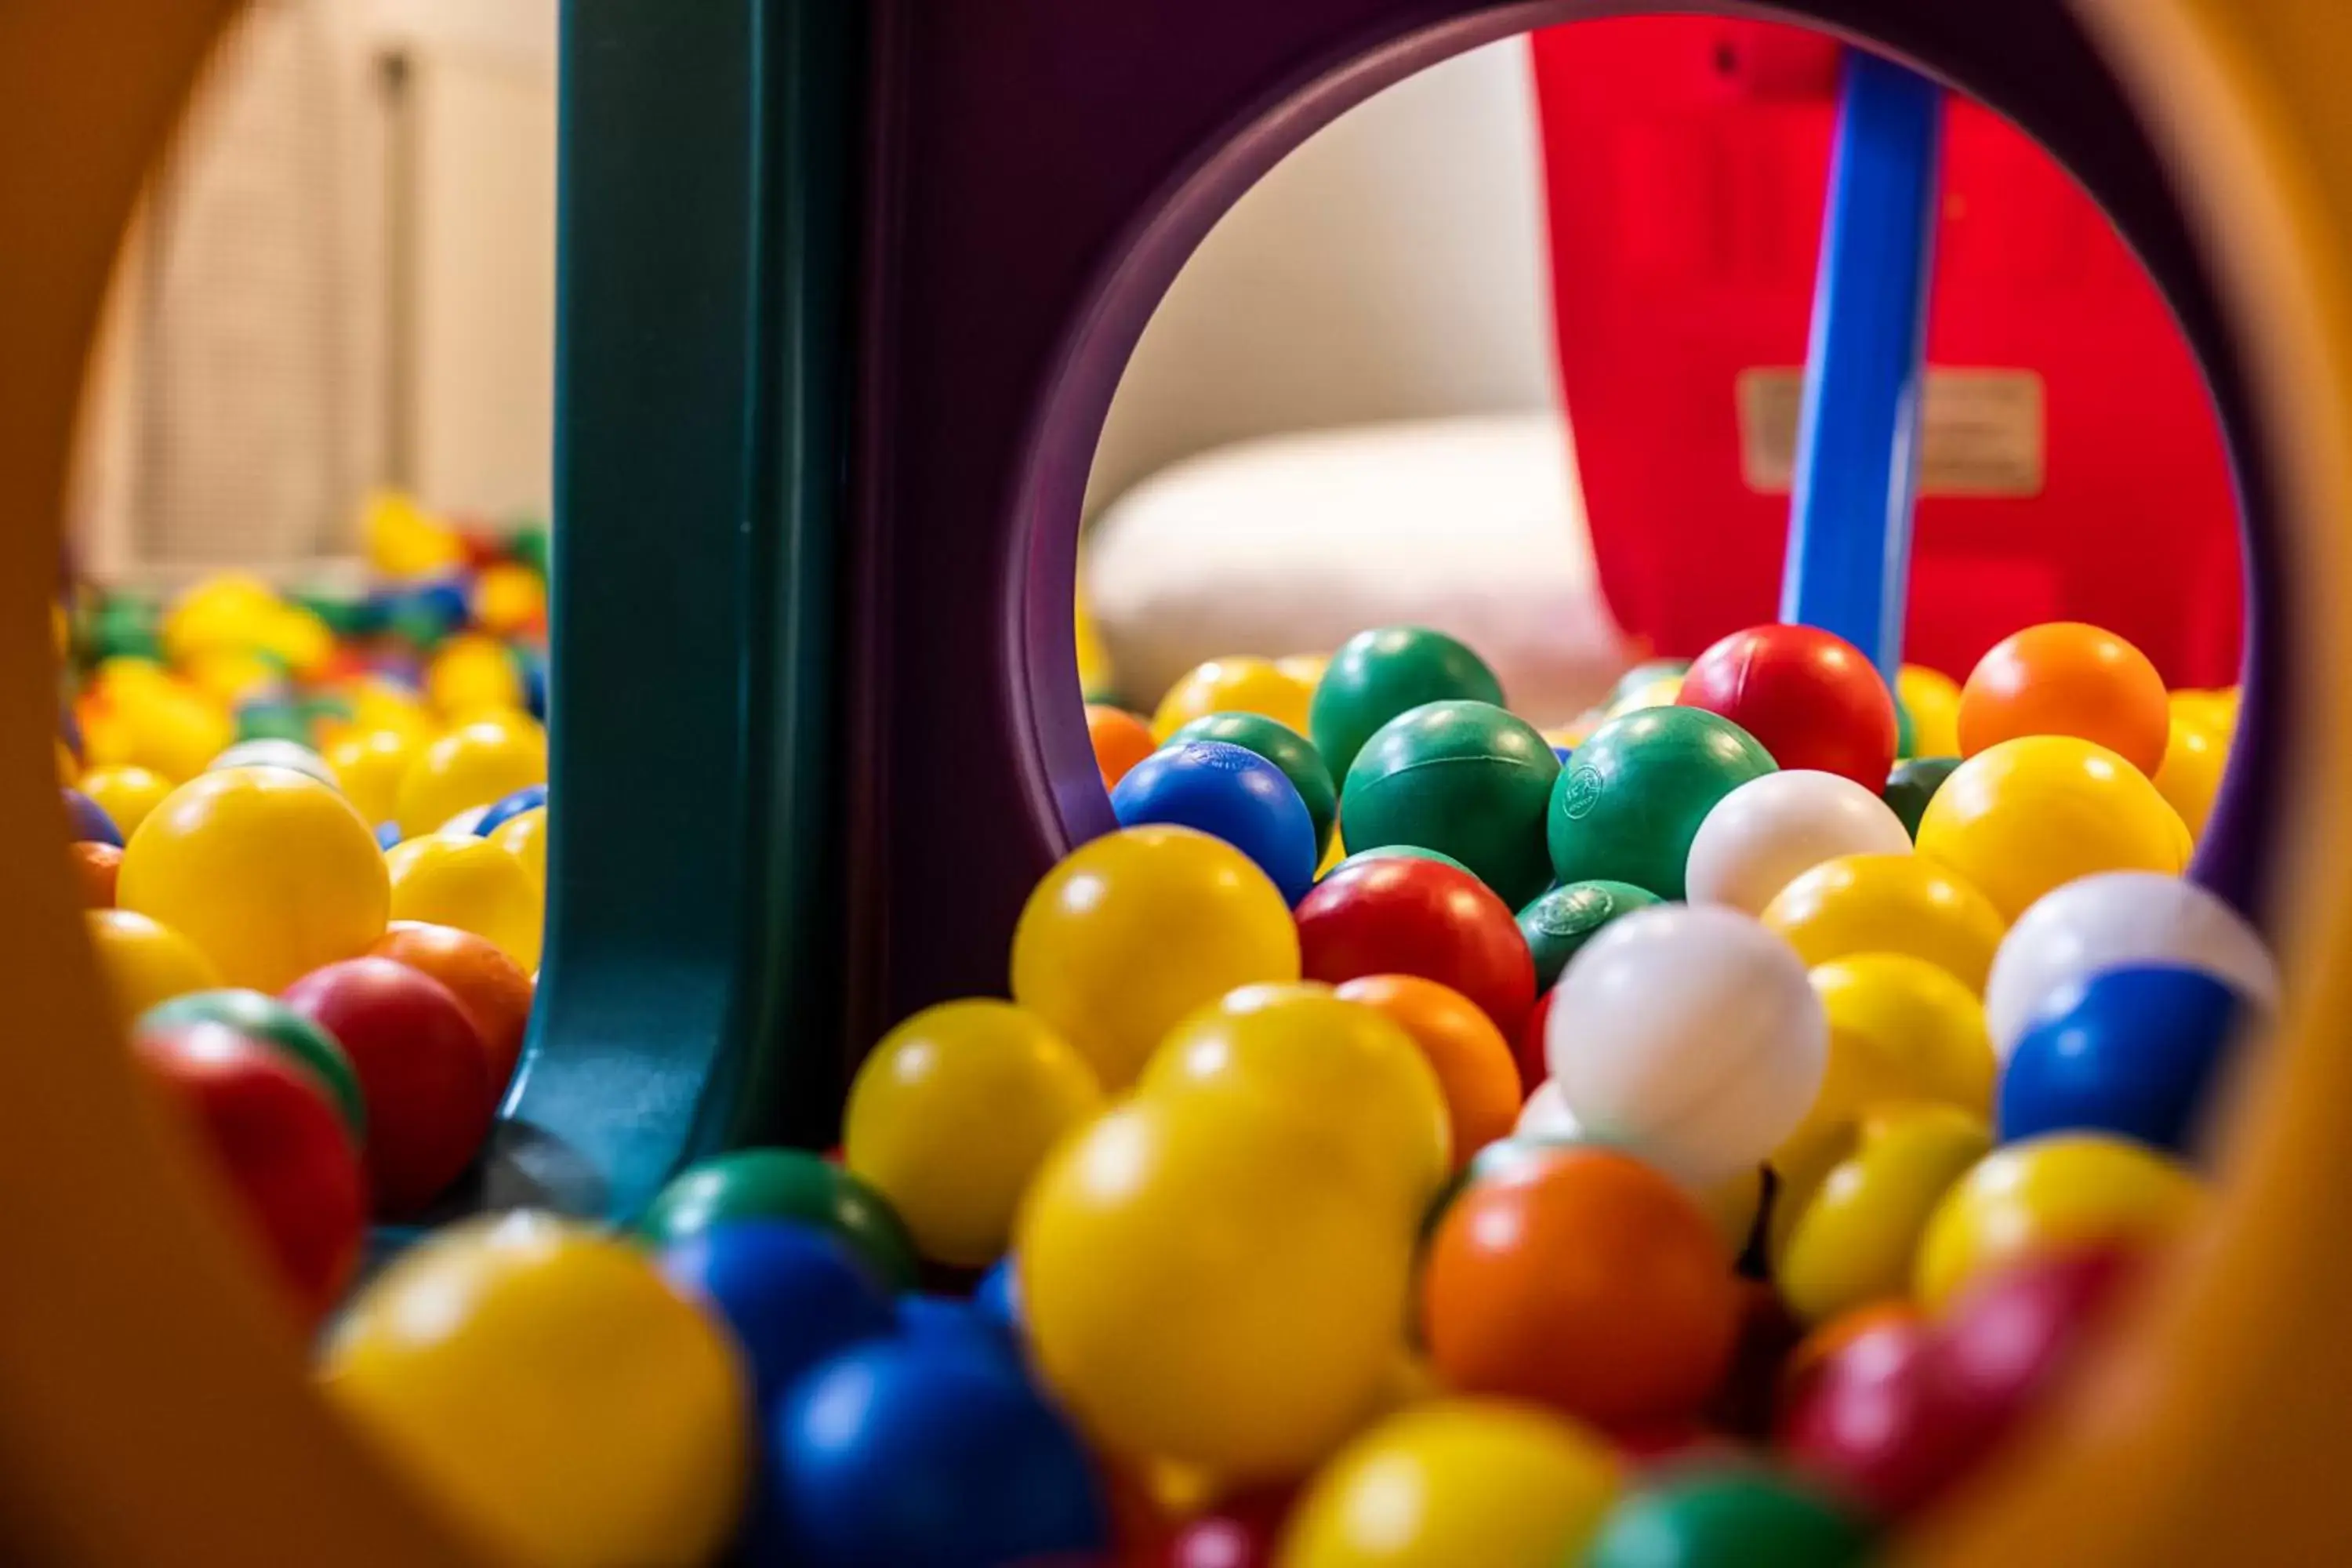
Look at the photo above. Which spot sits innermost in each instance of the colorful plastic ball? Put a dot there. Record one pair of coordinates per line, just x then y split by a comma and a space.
545, 1385
1557, 923
1911, 785
1627, 807
525, 839
794, 1296
508, 598
1237, 1532
1201, 1285
1119, 739
1811, 698
1745, 1518
1546, 1116
476, 764
1132, 931
1452, 1483
2190, 779
1933, 701
278, 753
1865, 1420
998, 1295
1377, 675
1771, 830
1463, 777
126, 795
914, 1454
1902, 1030
494, 991
531, 797
1286, 748
1232, 686
1402, 915
96, 868
273, 1133
1846, 1222
458, 879
2067, 679
951, 1114
272, 716
2046, 1194
260, 1016
1658, 693
1649, 672
2112, 920
1889, 903
270, 873
1230, 794
387, 836
1410, 851
784, 1184
1471, 1057
421, 1068
2027, 816
174, 732
85, 823
1691, 1036
145, 962
1586, 1280
2132, 1051
1344, 1073
955, 1322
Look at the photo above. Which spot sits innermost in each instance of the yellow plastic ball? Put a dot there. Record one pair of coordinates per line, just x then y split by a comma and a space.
1307, 669
1333, 853
1901, 1029
508, 596
1233, 686
405, 540
177, 732
1933, 701
2065, 1189
230, 675
228, 612
1132, 931
524, 836
2030, 815
1661, 693
2216, 713
951, 1114
478, 763
1338, 1070
2191, 775
1453, 1484
382, 705
145, 962
371, 763
126, 793
1094, 661
456, 880
1200, 1286
542, 1383
1889, 903
1846, 1229
473, 674
299, 638
268, 871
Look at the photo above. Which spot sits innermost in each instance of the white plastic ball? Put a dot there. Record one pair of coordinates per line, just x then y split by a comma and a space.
2120, 918
1691, 1036
466, 821
291, 755
1546, 1116
1770, 831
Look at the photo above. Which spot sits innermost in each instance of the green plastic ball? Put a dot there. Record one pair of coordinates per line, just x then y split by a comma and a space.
786, 1184
1465, 778
1563, 920
273, 721
1286, 748
263, 1018
1907, 734
1913, 784
1644, 674
1628, 805
1377, 675
1728, 1518
1410, 851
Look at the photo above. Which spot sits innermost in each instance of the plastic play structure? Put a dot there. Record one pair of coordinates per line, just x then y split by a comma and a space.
829, 431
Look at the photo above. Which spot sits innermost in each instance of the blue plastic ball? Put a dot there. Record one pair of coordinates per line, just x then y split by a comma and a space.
998, 1294
527, 798
916, 1454
2132, 1051
91, 825
387, 834
952, 1321
534, 683
792, 1295
1227, 792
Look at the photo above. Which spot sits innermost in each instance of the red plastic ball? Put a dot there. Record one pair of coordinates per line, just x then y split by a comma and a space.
1241, 1533
1585, 1281
1527, 1045
1865, 1418
491, 987
1401, 915
283, 1147
421, 1070
1811, 698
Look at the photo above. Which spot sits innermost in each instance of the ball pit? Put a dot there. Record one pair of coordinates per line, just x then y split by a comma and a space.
1233, 795
1630, 802
1407, 915
1812, 700
1465, 778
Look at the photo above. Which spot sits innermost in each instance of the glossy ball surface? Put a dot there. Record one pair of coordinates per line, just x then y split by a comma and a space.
531, 797
126, 795
1286, 748
1377, 675
1911, 785
1846, 1221
1556, 924
291, 755
469, 884
1463, 777
1231, 795
1933, 701
1119, 741
143, 962
478, 763
1233, 686
85, 823
1811, 698
2047, 1194
2067, 679
792, 1296
1630, 802
2025, 816
1889, 903
1729, 1518
1902, 1031
786, 1185
1471, 1059
1771, 830
98, 867
1403, 915
263, 1018
494, 991
2132, 1051
371, 764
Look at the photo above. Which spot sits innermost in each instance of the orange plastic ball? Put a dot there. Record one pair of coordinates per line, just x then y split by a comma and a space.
96, 867
1585, 1281
491, 989
2068, 679
1473, 1062
1120, 740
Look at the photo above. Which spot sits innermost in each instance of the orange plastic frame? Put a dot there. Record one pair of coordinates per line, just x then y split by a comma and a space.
153, 1410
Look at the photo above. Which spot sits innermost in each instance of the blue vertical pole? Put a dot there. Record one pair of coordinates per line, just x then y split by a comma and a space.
1858, 435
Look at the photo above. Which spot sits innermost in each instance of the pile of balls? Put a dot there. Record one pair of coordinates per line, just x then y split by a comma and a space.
1696, 1136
